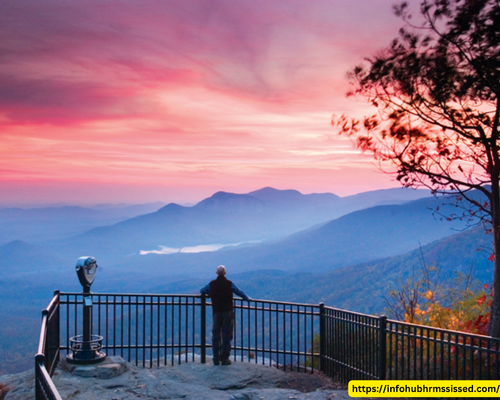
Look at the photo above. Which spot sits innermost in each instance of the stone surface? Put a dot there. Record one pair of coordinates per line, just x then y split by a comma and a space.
110, 367
18, 386
116, 379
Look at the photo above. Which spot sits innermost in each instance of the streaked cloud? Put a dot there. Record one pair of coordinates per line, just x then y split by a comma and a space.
219, 94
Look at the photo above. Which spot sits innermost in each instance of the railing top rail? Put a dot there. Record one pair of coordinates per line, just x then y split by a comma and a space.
358, 314
45, 315
130, 294
53, 303
286, 303
184, 296
41, 341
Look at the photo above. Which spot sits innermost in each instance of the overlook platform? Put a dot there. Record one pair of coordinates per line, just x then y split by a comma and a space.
169, 330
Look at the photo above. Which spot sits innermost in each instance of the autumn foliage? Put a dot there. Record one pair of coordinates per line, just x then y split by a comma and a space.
462, 304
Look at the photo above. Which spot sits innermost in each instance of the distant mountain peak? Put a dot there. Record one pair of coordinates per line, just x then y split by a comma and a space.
17, 244
225, 195
171, 207
226, 199
19, 247
289, 195
272, 191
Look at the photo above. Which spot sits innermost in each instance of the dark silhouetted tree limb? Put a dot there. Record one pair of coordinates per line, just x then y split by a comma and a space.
436, 90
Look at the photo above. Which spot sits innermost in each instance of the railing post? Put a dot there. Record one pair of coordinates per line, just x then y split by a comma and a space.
39, 359
322, 338
382, 366
203, 329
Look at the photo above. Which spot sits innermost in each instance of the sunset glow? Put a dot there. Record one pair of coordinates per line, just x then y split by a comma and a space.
142, 101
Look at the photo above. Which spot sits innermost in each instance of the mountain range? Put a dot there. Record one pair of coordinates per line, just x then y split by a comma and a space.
58, 222
361, 287
358, 237
224, 218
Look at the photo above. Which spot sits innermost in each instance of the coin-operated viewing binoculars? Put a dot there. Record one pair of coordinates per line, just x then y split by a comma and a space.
86, 348
86, 267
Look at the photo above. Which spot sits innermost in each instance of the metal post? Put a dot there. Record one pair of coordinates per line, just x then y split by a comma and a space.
382, 366
39, 360
53, 340
203, 329
322, 338
87, 321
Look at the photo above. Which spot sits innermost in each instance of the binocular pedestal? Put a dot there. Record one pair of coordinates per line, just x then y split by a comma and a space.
86, 348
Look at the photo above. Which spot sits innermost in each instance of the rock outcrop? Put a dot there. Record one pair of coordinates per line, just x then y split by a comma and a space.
115, 379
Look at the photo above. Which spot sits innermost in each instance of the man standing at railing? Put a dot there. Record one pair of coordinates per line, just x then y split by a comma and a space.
221, 292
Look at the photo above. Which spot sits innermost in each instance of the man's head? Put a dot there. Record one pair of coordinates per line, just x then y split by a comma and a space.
221, 270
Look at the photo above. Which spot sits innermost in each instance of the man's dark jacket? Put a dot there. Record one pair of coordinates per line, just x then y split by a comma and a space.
221, 292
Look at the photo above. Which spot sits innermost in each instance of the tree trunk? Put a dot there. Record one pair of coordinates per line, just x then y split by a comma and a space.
494, 327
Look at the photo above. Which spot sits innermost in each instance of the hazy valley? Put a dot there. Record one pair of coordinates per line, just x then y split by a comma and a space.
314, 248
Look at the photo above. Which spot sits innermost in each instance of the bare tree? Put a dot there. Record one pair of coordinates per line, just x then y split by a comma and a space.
436, 89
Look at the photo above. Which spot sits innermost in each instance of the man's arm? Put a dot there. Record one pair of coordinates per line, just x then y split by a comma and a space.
237, 291
205, 290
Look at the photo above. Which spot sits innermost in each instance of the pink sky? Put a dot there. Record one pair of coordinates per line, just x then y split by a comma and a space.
153, 100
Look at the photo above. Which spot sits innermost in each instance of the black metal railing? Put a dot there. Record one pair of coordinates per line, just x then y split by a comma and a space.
351, 345
358, 346
156, 329
422, 352
159, 329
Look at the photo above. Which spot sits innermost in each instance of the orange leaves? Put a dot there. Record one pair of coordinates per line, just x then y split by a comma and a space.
477, 325
461, 304
458, 306
468, 311
481, 300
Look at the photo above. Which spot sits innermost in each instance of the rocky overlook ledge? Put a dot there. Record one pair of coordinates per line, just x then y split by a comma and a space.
115, 379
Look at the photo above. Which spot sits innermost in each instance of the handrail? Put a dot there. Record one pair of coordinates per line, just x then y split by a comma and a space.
197, 296
48, 352
43, 333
